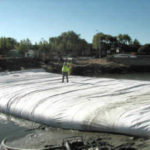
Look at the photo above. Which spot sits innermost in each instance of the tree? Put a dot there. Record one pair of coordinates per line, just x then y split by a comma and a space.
35, 46
69, 44
44, 46
24, 45
135, 45
43, 49
7, 44
124, 42
124, 39
103, 42
144, 50
98, 41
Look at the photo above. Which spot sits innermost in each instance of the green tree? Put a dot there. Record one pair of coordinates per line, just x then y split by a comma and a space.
124, 39
44, 46
7, 44
69, 44
43, 49
102, 43
135, 45
98, 42
24, 45
35, 46
144, 50
124, 42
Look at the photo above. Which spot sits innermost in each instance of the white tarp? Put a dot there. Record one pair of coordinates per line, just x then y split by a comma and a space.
85, 103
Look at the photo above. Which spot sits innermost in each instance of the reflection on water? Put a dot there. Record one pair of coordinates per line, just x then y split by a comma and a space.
11, 126
8, 128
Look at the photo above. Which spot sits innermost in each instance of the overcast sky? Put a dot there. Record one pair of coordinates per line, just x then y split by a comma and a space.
36, 19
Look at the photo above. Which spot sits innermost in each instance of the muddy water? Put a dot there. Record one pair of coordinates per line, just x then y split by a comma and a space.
26, 134
9, 128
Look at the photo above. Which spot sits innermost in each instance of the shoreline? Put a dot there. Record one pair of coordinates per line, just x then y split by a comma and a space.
96, 67
39, 137
83, 67
55, 136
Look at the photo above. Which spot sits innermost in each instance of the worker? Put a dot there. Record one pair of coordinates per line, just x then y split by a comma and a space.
65, 71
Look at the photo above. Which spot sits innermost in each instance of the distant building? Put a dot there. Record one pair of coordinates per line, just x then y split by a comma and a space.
30, 54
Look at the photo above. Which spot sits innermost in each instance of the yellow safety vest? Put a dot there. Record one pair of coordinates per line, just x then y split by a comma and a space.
65, 68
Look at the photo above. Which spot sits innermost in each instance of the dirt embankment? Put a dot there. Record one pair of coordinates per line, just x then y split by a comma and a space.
85, 67
18, 64
95, 67
88, 67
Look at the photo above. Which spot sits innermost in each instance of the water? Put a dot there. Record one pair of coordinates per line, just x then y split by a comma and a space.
16, 127
11, 126
20, 134
8, 128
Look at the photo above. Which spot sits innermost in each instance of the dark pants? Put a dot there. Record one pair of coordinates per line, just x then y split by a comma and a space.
65, 74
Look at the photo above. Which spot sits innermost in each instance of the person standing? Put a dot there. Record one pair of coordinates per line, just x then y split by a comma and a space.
65, 71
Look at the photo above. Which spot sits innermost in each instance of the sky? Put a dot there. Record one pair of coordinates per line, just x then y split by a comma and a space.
42, 19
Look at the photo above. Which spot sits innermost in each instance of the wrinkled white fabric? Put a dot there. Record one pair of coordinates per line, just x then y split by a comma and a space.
85, 103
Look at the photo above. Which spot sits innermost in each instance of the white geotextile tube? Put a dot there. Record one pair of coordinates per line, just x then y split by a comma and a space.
85, 103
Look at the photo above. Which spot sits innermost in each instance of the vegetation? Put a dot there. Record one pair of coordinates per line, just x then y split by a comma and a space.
145, 49
24, 46
105, 44
70, 44
6, 44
